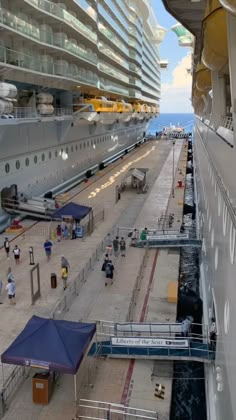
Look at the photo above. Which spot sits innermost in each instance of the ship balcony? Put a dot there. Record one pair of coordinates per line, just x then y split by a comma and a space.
113, 24
66, 75
113, 39
108, 87
142, 7
113, 72
51, 13
42, 36
112, 56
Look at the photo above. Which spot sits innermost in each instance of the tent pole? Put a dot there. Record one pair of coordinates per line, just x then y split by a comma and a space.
75, 389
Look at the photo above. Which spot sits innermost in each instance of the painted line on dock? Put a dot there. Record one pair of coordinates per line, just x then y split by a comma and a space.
141, 319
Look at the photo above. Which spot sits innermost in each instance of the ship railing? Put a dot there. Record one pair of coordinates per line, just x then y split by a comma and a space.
102, 410
32, 113
227, 122
133, 329
162, 347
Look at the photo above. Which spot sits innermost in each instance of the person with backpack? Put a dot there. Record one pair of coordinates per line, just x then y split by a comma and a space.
109, 271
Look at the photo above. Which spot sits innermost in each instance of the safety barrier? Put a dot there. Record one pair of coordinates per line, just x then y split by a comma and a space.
17, 375
75, 285
89, 409
137, 285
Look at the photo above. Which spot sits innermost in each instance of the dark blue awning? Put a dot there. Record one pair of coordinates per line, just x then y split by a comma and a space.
50, 344
72, 210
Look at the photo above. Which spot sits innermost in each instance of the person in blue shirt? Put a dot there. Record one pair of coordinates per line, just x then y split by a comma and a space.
48, 248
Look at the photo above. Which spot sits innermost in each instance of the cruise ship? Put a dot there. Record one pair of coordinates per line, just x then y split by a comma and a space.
79, 84
211, 24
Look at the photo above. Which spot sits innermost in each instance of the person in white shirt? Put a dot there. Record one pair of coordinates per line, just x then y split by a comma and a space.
16, 252
11, 291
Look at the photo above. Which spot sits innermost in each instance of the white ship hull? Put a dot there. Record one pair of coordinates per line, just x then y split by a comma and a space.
37, 156
216, 205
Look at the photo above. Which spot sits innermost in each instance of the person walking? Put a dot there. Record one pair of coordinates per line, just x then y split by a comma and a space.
108, 244
11, 291
122, 247
73, 236
134, 237
16, 252
64, 277
6, 245
109, 271
116, 246
65, 263
48, 248
65, 232
59, 233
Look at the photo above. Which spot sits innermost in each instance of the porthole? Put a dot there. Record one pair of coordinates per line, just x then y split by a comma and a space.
17, 164
56, 153
84, 145
35, 159
27, 162
61, 151
7, 168
72, 149
67, 150
43, 157
49, 155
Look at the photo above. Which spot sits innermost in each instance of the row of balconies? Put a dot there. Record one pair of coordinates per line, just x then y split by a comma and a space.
45, 64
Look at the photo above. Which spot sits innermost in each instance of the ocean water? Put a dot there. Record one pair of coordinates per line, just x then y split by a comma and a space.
165, 120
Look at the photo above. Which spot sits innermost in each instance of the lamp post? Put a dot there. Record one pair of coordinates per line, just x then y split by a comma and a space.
173, 169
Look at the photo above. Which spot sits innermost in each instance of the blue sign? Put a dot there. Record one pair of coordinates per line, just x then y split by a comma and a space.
79, 231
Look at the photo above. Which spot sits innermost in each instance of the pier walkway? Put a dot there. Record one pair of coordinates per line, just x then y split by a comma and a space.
139, 293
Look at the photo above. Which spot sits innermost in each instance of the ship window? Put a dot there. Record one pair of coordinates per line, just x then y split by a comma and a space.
43, 157
80, 146
49, 155
61, 151
84, 145
67, 150
55, 153
76, 147
17, 164
35, 159
72, 149
7, 168
27, 162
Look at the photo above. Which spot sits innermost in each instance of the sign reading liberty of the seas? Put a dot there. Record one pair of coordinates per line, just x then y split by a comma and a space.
147, 342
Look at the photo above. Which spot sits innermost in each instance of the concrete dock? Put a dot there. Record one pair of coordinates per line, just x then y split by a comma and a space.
119, 381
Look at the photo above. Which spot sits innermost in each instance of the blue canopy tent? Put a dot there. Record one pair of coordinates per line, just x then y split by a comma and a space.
74, 210
51, 344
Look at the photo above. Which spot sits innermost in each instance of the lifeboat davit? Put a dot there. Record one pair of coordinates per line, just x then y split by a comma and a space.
229, 6
215, 49
203, 78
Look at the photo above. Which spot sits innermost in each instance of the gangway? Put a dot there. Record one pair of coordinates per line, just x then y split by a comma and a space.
158, 341
35, 207
169, 241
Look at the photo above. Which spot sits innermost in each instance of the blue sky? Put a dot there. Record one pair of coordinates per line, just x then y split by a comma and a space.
176, 84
